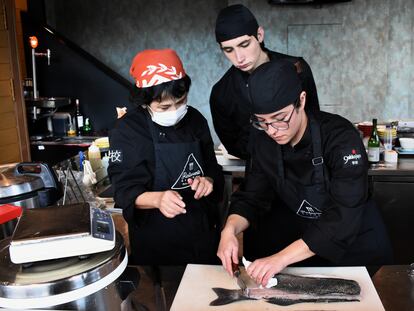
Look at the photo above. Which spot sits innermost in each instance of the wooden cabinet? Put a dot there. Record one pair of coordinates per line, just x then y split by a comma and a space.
14, 140
394, 196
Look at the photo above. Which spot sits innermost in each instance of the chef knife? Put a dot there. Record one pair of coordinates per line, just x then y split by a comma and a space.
237, 274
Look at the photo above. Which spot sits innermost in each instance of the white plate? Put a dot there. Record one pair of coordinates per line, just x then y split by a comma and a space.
401, 150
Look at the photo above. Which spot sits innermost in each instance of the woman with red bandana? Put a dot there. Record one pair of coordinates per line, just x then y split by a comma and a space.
163, 167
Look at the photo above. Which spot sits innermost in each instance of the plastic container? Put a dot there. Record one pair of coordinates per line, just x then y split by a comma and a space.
388, 138
94, 157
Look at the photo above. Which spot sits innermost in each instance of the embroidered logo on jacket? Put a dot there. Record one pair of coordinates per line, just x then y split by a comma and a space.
352, 158
192, 169
115, 156
306, 210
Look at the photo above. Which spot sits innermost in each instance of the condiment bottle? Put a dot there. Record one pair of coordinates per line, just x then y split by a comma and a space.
79, 119
374, 144
87, 129
94, 157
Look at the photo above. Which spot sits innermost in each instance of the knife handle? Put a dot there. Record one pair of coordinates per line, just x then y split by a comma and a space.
234, 267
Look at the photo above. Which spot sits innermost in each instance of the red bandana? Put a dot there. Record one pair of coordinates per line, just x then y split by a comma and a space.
153, 67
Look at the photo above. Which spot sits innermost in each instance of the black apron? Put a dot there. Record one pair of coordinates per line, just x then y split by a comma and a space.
306, 204
186, 238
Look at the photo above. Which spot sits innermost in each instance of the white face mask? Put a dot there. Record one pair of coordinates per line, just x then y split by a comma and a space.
168, 118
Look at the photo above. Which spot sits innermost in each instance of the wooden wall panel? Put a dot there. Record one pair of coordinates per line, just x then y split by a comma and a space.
5, 72
5, 89
6, 105
4, 55
9, 136
8, 120
14, 142
3, 39
10, 153
21, 5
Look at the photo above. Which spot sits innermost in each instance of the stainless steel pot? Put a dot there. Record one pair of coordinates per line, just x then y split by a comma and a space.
20, 190
72, 283
29, 185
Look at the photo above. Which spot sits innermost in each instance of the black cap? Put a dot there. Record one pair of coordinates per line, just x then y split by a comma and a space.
235, 21
273, 86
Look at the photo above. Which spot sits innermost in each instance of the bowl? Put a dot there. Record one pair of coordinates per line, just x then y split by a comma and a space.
365, 128
407, 143
381, 132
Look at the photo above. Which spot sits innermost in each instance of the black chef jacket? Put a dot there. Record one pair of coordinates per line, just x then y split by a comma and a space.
132, 162
230, 107
350, 230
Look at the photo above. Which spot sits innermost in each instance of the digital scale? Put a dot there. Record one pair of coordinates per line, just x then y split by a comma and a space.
61, 231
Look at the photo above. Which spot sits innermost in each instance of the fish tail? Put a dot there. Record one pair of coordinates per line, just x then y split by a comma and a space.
226, 296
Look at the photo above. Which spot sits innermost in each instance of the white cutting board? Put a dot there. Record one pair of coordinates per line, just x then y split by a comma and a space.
195, 291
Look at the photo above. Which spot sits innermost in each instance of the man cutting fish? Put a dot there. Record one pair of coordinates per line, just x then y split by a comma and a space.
316, 163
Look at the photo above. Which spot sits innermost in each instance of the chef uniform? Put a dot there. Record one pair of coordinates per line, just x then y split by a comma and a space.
229, 101
231, 110
146, 156
230, 107
322, 181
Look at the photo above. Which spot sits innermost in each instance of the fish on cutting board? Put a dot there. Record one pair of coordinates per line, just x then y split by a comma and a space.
293, 289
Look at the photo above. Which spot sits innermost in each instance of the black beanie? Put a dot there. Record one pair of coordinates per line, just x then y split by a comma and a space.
273, 86
235, 21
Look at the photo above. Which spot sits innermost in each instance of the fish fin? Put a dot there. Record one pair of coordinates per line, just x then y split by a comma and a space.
226, 296
288, 302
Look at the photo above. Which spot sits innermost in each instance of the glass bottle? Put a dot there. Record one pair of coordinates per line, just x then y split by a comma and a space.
374, 144
79, 119
87, 129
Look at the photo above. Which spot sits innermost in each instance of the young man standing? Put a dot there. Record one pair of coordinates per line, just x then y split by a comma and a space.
242, 41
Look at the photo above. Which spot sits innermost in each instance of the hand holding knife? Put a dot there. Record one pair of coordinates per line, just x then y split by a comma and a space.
237, 274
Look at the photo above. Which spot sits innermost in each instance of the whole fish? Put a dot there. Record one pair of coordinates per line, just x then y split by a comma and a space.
293, 289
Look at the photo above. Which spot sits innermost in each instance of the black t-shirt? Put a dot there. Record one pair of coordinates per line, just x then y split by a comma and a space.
230, 105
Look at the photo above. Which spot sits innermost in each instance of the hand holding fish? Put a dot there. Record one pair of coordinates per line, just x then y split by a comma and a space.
261, 270
202, 186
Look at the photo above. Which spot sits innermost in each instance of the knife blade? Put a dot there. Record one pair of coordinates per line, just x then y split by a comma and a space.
237, 274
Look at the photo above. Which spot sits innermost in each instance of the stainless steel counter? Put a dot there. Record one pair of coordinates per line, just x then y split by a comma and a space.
66, 140
53, 150
404, 167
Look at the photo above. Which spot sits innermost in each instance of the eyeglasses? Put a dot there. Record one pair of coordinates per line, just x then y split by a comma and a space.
281, 125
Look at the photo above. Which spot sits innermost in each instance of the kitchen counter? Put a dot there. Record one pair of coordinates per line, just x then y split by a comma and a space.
393, 284
53, 150
66, 140
404, 167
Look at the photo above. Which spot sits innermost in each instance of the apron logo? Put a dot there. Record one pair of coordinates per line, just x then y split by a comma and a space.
115, 156
306, 210
192, 169
352, 159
